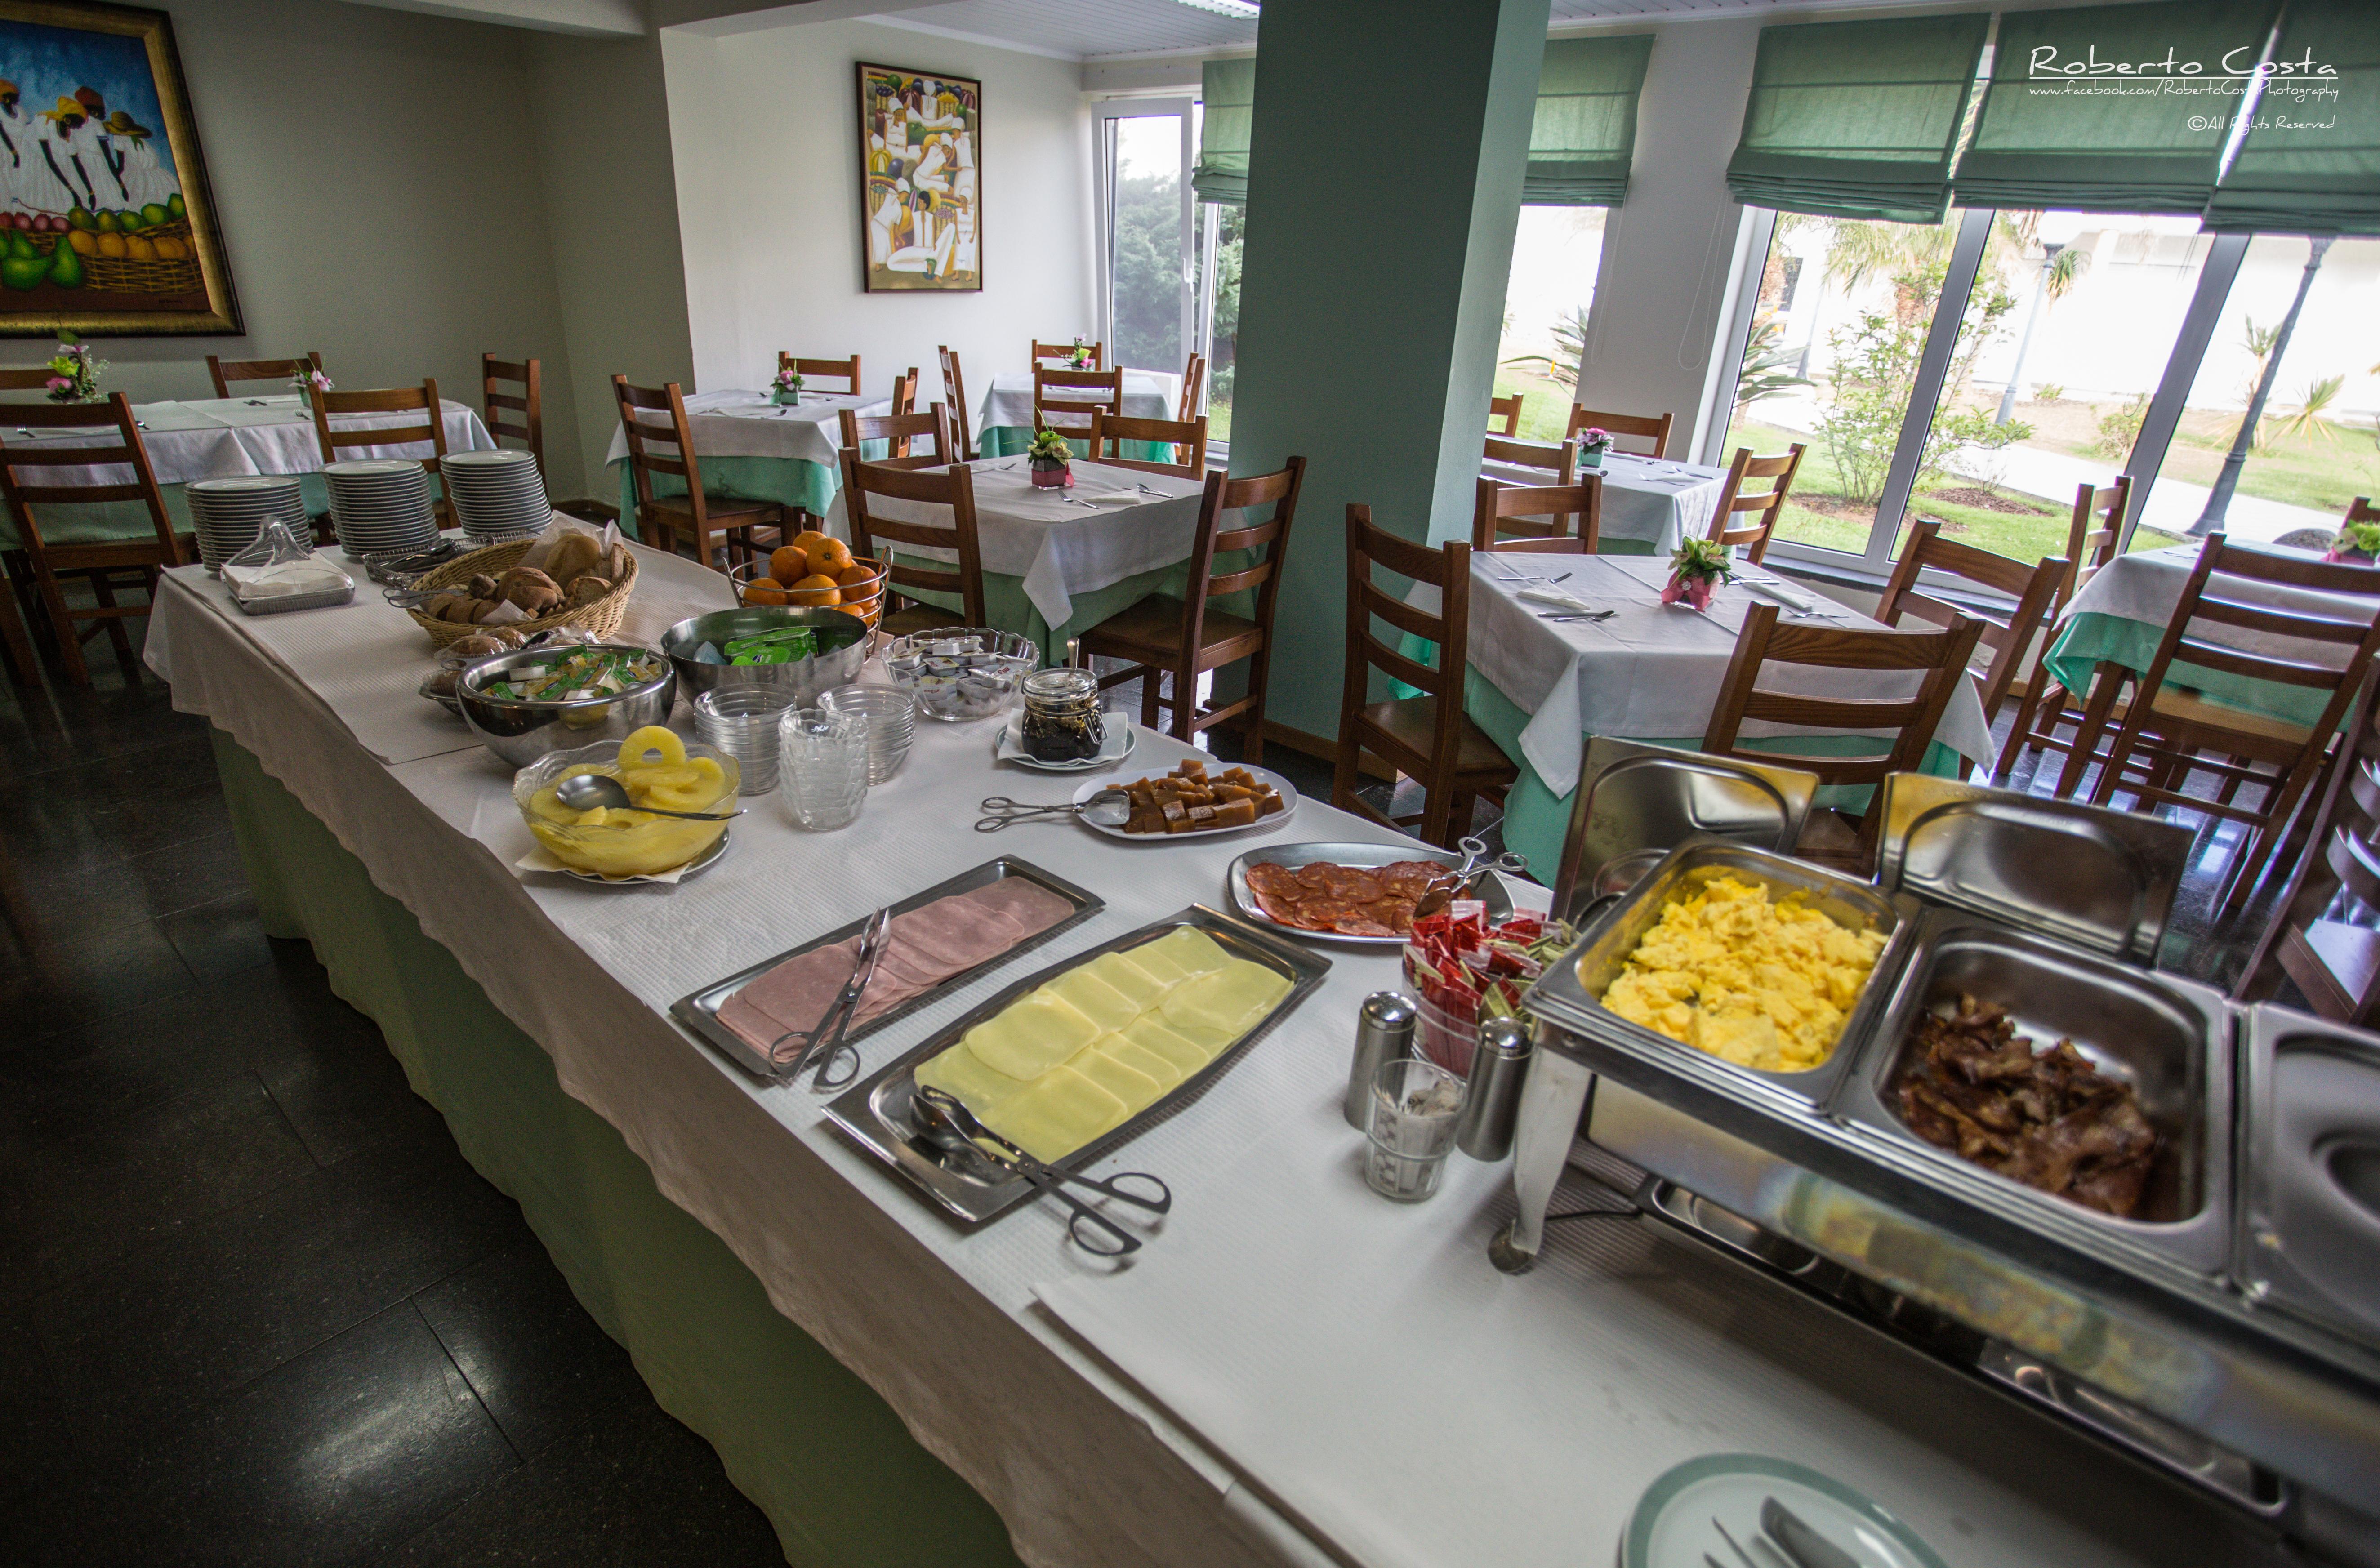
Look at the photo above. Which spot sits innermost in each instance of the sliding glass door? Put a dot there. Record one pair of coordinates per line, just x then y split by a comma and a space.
1150, 238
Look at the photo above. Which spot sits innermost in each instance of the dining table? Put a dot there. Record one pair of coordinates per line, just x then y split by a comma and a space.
1003, 426
2122, 614
1290, 1373
1650, 505
757, 449
1649, 672
216, 438
1057, 562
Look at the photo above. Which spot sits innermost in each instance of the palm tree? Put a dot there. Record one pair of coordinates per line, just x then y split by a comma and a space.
2218, 499
2061, 264
2306, 419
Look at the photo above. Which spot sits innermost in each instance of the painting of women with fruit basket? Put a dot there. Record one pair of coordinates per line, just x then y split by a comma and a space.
918, 134
105, 223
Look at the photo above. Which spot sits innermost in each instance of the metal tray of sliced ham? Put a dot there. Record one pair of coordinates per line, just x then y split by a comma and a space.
875, 1110
940, 940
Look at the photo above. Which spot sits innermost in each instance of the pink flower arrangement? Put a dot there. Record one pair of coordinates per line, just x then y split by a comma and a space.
1594, 438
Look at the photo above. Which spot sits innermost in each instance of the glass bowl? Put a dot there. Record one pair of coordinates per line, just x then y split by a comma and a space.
630, 844
962, 674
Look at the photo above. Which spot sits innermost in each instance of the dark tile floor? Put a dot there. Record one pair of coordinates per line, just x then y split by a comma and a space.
254, 1307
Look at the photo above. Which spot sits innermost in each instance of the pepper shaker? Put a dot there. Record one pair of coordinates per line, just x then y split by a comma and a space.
1491, 1103
1384, 1033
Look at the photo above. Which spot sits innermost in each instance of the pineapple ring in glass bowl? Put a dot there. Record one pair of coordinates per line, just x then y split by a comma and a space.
658, 769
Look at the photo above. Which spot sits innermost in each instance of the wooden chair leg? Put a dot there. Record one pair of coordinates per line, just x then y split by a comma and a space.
1252, 735
1151, 677
62, 622
1438, 811
24, 665
1186, 704
2021, 728
1346, 772
103, 592
2105, 684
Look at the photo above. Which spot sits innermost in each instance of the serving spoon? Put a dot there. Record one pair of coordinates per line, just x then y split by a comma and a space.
584, 792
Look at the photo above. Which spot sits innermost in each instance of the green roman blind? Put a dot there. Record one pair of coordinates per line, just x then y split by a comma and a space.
2101, 110
1584, 132
2311, 163
1857, 119
1228, 89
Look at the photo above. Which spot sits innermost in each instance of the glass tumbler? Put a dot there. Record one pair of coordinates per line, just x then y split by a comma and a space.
824, 757
1415, 1106
742, 721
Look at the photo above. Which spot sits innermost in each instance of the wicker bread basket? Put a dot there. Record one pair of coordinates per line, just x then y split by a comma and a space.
603, 617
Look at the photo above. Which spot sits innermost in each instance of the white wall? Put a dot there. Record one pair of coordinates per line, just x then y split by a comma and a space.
765, 131
377, 180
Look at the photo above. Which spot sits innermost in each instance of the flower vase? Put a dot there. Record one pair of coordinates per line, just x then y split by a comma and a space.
785, 396
2348, 555
1695, 591
1052, 473
305, 398
1591, 459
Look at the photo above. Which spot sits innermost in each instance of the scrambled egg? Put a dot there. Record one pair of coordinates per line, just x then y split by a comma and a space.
1760, 984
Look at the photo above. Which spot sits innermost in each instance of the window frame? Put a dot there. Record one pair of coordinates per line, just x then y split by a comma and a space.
1104, 114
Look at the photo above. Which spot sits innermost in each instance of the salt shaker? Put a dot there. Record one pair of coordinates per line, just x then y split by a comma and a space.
1491, 1102
1384, 1033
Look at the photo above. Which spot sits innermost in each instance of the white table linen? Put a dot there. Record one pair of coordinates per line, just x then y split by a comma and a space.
1058, 547
235, 437
942, 1323
2147, 586
1147, 394
1649, 500
1652, 670
743, 423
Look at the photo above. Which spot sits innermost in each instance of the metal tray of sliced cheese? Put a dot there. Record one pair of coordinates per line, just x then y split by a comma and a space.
1080, 1058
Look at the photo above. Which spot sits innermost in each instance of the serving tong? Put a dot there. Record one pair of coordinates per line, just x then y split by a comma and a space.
832, 1025
1461, 881
945, 1121
1108, 809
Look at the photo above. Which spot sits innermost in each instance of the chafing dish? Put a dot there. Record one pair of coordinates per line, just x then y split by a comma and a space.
1635, 803
2308, 1241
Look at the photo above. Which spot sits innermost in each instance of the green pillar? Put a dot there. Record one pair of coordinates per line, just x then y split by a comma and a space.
1384, 182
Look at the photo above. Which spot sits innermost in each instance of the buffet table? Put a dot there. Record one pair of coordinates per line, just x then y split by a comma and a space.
1290, 1373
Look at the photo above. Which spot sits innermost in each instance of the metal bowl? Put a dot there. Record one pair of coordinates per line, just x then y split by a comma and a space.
804, 679
521, 733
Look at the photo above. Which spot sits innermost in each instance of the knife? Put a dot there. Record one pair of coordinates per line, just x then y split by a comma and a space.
1802, 1546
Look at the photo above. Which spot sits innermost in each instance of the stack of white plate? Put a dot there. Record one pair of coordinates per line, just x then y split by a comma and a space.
498, 496
381, 504
229, 513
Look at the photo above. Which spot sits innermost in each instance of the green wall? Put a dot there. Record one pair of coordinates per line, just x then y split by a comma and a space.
1384, 184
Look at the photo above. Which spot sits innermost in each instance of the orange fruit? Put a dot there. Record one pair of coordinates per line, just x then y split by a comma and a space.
814, 591
810, 539
856, 575
829, 556
790, 564
765, 591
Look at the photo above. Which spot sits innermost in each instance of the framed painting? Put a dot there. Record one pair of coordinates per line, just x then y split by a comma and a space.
921, 206
106, 224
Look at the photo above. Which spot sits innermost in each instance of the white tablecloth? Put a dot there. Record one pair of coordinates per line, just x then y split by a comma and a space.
232, 437
1662, 1349
1654, 670
1060, 548
740, 423
2146, 587
1147, 394
1655, 502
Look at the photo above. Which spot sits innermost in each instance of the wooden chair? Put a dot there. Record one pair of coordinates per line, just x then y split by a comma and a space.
2335, 962
25, 471
1064, 354
431, 428
2173, 730
843, 371
2008, 635
1074, 413
953, 487
1194, 388
954, 396
1634, 426
2098, 523
1428, 738
653, 420
1940, 657
901, 430
1558, 464
905, 393
1188, 437
1504, 416
520, 415
226, 372
1507, 517
1187, 637
1768, 505
30, 378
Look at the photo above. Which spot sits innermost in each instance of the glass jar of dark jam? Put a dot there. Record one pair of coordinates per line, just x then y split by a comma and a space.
1062, 715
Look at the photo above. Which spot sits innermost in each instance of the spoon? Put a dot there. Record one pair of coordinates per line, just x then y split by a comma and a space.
584, 792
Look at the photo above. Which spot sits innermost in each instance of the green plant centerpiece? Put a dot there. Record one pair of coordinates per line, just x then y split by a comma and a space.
786, 390
1697, 567
74, 373
2358, 544
1082, 359
1053, 460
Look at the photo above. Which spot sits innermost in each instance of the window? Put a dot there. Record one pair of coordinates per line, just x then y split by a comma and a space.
1220, 228
1144, 170
1557, 252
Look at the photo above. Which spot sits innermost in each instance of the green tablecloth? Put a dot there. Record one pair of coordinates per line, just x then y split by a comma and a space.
1007, 441
2086, 640
821, 1454
1007, 607
107, 520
